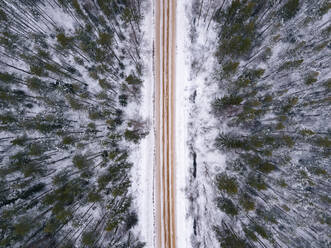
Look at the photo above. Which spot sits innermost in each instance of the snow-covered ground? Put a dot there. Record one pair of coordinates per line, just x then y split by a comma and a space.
143, 171
191, 133
184, 222
201, 131
195, 132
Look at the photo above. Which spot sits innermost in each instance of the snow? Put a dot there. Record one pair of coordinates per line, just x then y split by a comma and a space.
190, 121
67, 23
143, 170
196, 129
61, 17
184, 223
202, 129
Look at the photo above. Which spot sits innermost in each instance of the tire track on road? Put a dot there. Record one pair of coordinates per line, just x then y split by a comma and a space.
165, 109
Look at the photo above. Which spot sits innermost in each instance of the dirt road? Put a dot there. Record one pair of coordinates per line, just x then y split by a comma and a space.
164, 58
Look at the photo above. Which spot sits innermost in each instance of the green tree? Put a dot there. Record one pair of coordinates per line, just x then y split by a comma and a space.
247, 202
227, 184
80, 161
23, 227
227, 205
88, 238
290, 9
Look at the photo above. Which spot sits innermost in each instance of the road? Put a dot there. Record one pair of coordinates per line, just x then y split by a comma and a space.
164, 59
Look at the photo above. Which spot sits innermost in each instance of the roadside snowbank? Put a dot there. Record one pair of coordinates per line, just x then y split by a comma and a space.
184, 223
143, 171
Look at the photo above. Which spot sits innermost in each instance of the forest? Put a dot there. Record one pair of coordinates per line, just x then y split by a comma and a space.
272, 113
70, 78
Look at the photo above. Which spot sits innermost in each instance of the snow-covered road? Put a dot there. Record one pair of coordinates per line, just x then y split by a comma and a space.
165, 41
161, 199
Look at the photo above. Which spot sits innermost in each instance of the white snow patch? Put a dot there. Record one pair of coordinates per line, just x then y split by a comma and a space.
143, 170
184, 222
